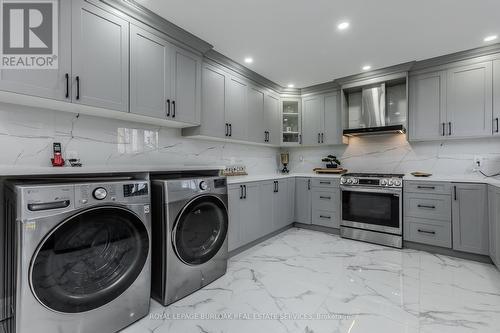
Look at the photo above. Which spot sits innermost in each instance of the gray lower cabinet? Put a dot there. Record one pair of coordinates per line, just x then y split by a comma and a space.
244, 216
494, 223
46, 83
427, 213
281, 205
326, 206
100, 58
150, 74
470, 218
291, 200
303, 200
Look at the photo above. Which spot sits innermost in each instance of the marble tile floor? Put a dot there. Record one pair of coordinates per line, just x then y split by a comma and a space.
307, 281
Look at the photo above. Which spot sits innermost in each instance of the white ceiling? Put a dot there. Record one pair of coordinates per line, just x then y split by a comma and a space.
296, 41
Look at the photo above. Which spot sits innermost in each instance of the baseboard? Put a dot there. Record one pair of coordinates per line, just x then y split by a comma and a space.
447, 252
257, 241
327, 230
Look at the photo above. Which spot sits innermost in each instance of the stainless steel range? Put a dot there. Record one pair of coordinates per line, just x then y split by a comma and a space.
372, 208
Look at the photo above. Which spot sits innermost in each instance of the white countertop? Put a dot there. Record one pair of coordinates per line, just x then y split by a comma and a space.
473, 178
29, 171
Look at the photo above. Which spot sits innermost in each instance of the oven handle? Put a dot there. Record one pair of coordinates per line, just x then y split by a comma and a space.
395, 191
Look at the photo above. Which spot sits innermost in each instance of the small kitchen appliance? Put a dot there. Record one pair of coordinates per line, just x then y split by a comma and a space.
372, 208
285, 160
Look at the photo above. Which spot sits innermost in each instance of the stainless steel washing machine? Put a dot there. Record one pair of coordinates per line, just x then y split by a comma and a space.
190, 224
83, 255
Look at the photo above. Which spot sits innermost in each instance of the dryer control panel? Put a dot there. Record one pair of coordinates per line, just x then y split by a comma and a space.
119, 192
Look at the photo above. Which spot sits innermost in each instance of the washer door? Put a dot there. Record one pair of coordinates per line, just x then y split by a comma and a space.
200, 230
89, 259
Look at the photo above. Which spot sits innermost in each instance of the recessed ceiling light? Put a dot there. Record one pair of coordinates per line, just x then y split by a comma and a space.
490, 38
367, 67
248, 60
291, 85
343, 25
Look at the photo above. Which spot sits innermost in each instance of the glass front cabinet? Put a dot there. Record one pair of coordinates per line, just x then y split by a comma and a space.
291, 128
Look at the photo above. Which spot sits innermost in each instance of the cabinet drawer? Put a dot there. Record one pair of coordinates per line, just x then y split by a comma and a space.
427, 232
428, 206
325, 182
326, 218
326, 199
427, 187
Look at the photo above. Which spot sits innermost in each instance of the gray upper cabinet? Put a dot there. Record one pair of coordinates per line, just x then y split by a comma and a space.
237, 111
255, 124
100, 58
150, 74
303, 200
46, 83
312, 114
332, 120
470, 218
427, 106
186, 86
469, 100
272, 118
496, 97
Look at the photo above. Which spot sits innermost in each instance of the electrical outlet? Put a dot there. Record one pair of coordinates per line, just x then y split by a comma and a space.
478, 162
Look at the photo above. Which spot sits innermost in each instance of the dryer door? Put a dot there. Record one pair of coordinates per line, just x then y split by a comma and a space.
200, 230
89, 259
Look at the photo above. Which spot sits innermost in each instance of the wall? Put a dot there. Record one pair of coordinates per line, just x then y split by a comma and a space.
392, 153
27, 134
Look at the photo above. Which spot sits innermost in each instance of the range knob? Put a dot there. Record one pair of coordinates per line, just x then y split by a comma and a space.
203, 185
391, 182
355, 181
349, 181
383, 182
397, 182
100, 193
343, 180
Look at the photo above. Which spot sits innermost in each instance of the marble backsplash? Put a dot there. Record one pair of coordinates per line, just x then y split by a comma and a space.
27, 135
393, 153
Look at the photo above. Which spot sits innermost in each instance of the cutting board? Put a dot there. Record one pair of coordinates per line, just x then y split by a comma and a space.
330, 170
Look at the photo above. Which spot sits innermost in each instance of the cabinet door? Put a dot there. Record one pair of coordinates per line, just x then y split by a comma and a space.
494, 223
496, 97
303, 200
235, 198
312, 113
47, 83
281, 205
237, 115
427, 113
255, 124
469, 100
332, 124
266, 207
150, 74
470, 218
186, 68
291, 200
272, 118
100, 54
252, 225
214, 101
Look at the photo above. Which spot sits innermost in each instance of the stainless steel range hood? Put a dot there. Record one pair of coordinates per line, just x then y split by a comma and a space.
376, 109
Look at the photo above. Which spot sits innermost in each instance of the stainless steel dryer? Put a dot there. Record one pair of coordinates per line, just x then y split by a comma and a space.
83, 255
190, 224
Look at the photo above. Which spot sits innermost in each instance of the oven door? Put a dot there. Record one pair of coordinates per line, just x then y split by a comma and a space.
372, 209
